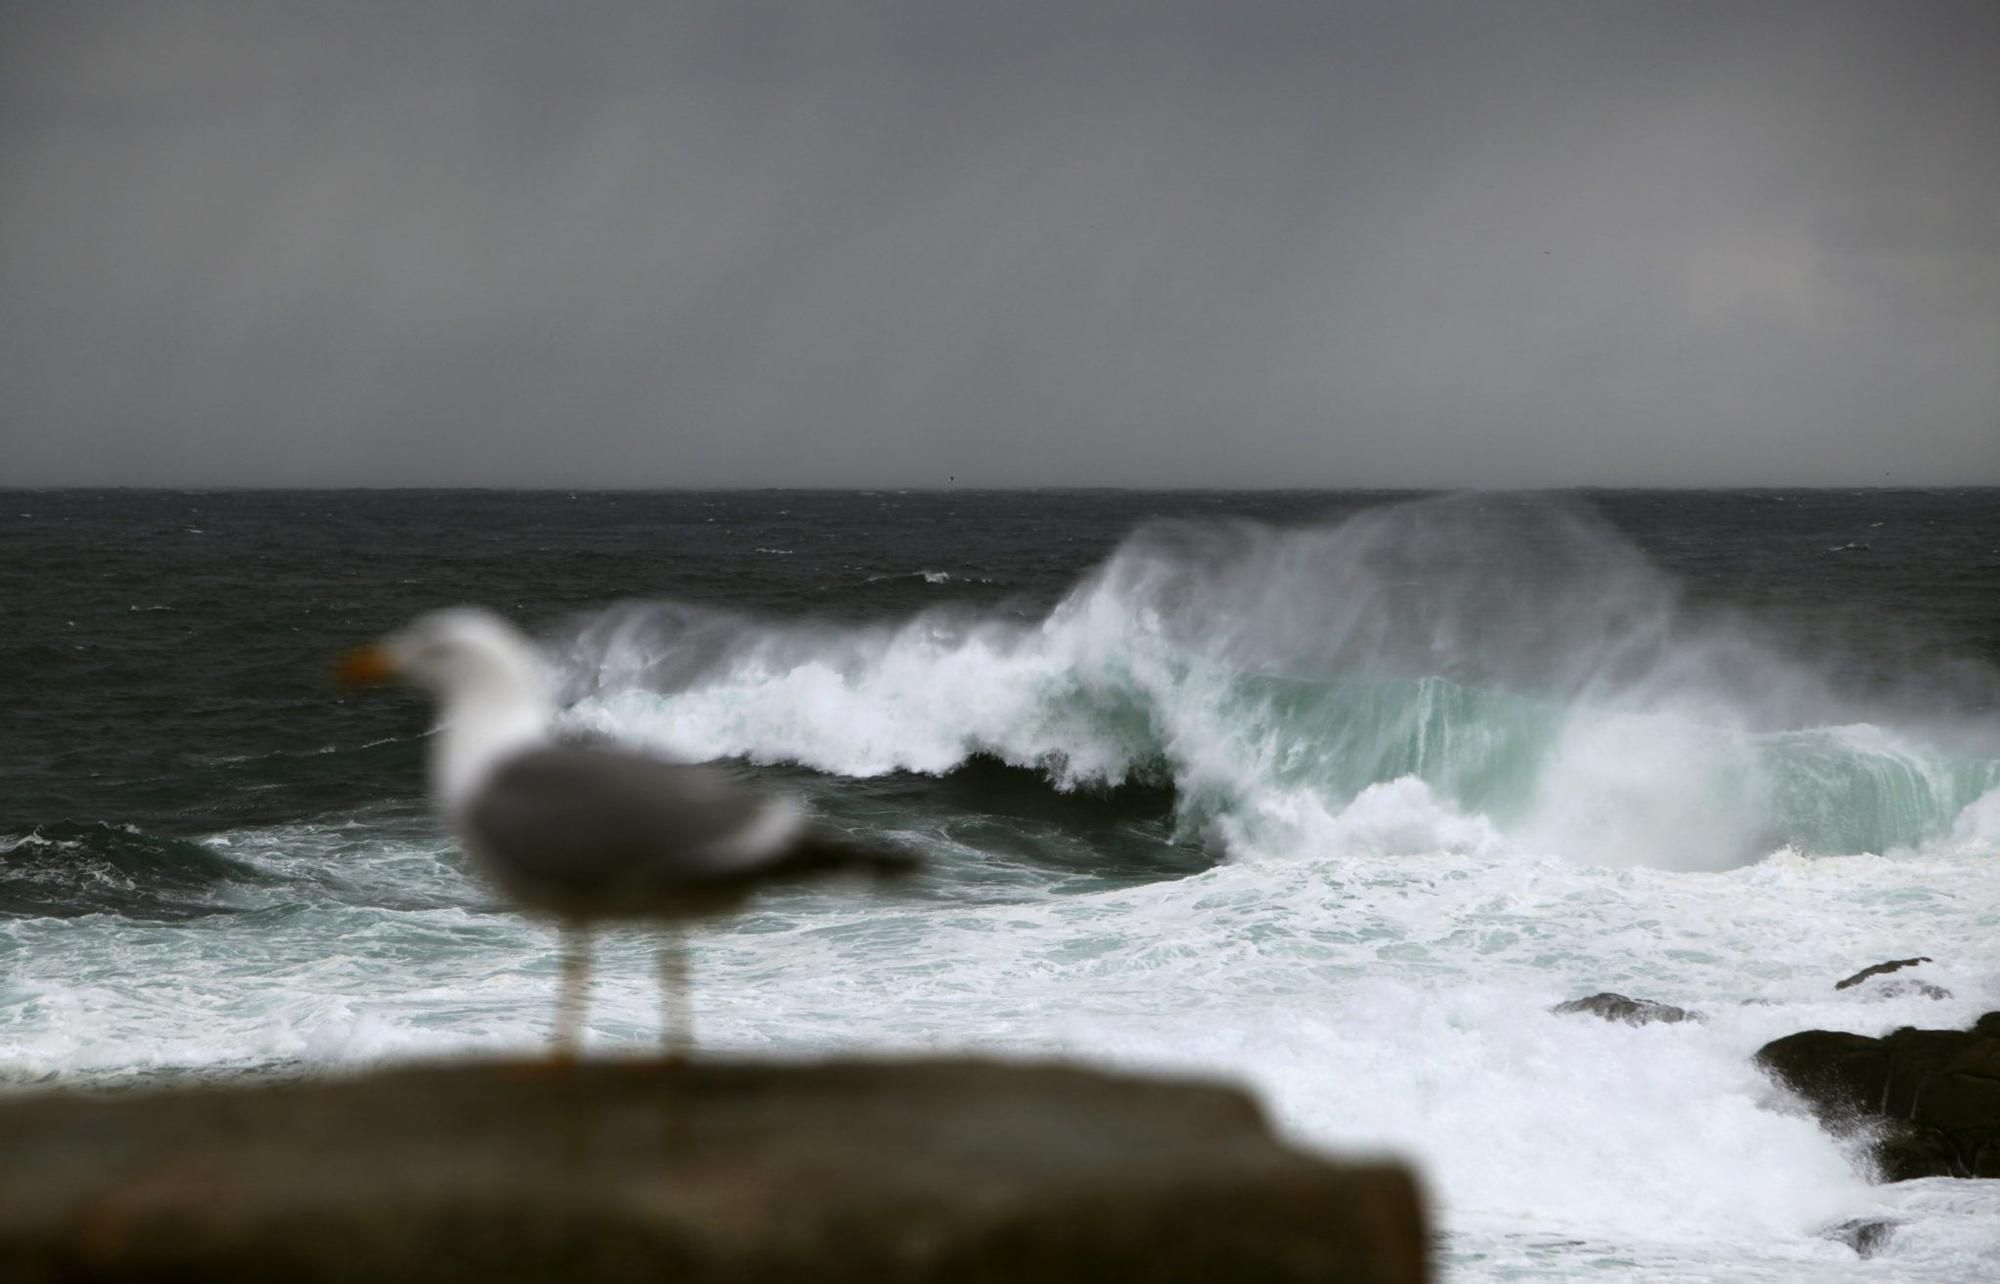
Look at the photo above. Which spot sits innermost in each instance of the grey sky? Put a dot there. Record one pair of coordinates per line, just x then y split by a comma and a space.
1038, 242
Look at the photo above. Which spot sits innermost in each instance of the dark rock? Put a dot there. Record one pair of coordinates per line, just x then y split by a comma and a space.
1965, 1091
1904, 1151
1843, 1077
1878, 970
1898, 986
900, 1172
1916, 1060
1865, 1235
1927, 1101
1617, 1007
1981, 1152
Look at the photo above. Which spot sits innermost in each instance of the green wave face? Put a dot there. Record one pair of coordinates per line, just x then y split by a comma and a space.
1480, 749
1849, 789
1540, 768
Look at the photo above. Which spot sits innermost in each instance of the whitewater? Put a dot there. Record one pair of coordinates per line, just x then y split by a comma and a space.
1337, 809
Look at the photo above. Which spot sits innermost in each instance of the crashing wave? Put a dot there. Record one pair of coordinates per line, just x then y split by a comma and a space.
1524, 663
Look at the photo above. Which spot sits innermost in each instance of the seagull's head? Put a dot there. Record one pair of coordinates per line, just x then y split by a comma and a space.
483, 673
456, 654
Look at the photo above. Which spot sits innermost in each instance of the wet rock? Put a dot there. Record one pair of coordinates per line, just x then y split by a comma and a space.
1879, 969
1617, 1007
614, 1171
1894, 987
1927, 1101
1867, 1236
1904, 1152
1841, 1076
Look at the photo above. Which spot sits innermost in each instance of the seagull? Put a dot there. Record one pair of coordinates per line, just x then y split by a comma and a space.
587, 834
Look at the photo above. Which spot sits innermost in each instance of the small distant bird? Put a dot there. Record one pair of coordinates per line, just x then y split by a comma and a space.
584, 833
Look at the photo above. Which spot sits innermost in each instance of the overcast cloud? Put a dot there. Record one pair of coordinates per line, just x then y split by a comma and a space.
1043, 242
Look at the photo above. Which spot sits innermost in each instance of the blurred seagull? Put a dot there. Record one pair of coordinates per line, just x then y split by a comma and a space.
588, 833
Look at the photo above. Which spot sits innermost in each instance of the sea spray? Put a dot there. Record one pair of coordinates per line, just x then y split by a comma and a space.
1514, 653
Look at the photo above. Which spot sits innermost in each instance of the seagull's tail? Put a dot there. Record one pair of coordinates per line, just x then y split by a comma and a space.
820, 850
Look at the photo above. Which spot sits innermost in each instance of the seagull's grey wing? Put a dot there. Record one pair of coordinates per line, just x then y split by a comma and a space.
606, 822
609, 831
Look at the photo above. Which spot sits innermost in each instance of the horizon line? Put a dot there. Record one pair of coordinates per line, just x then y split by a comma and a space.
1069, 488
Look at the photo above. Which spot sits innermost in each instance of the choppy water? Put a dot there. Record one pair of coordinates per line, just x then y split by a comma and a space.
1336, 794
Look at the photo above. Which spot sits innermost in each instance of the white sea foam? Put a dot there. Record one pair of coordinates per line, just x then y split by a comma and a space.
1393, 997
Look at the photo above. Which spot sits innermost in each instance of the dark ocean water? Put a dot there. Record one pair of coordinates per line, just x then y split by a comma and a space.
1334, 792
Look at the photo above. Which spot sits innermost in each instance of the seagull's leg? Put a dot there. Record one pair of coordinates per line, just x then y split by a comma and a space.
575, 984
676, 999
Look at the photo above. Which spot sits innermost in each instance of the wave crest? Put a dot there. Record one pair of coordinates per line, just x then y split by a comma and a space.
1530, 667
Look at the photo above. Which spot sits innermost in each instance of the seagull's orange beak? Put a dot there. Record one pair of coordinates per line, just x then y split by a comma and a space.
365, 666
